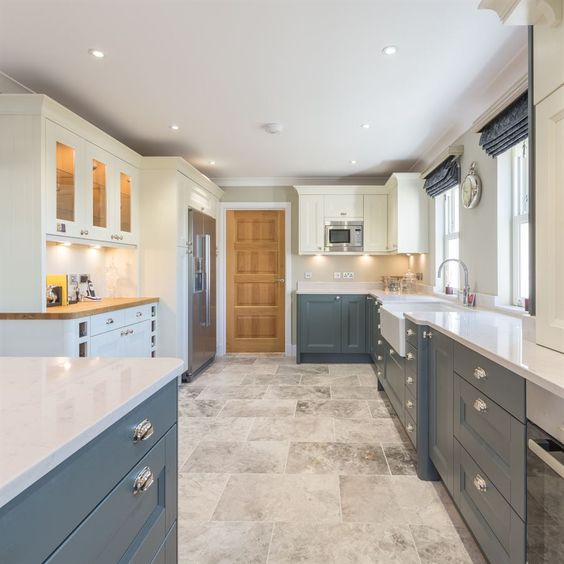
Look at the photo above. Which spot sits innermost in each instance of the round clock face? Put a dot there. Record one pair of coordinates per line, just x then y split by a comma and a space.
471, 191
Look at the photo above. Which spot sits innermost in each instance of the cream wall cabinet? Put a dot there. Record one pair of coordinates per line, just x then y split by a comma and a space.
311, 221
548, 53
549, 209
375, 223
343, 207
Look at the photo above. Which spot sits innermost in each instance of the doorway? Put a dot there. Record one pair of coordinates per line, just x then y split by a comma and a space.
255, 280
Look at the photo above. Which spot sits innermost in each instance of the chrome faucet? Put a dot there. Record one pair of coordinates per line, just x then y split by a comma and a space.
466, 290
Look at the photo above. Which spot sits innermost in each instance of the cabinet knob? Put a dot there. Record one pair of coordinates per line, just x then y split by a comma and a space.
139, 314
480, 484
143, 431
410, 428
380, 357
143, 481
392, 352
337, 297
480, 405
379, 342
84, 231
379, 373
123, 334
109, 321
409, 404
410, 332
480, 373
410, 356
379, 326
427, 334
409, 380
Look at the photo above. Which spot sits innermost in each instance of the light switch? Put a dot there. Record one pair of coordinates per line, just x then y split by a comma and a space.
336, 275
307, 275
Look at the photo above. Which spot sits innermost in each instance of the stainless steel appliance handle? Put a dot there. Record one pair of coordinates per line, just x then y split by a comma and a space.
207, 240
546, 457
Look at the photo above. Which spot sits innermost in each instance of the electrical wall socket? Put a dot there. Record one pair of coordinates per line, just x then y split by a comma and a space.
348, 275
336, 275
308, 275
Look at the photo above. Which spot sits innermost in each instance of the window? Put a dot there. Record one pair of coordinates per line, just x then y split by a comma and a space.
451, 238
520, 222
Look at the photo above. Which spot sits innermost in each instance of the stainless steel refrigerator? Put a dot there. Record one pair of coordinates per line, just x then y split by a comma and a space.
202, 291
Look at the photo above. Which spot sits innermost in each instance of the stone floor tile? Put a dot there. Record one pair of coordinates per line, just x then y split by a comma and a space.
259, 408
223, 543
381, 408
348, 369
310, 429
189, 392
341, 543
298, 392
401, 459
355, 392
200, 408
198, 495
275, 379
302, 369
217, 379
233, 392
223, 429
353, 409
368, 431
280, 497
330, 380
368, 379
336, 458
232, 457
444, 545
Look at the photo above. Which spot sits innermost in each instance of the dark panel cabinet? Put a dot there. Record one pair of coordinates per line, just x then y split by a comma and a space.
319, 323
353, 323
441, 408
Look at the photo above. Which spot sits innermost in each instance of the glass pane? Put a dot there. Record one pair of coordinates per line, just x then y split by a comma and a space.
340, 236
455, 209
452, 269
524, 260
99, 194
66, 180
125, 202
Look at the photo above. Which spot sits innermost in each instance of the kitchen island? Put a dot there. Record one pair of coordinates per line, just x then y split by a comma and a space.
89, 459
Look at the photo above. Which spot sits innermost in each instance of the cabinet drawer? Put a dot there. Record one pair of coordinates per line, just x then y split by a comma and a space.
137, 314
501, 385
411, 358
498, 529
411, 429
494, 439
168, 552
410, 404
51, 509
411, 333
107, 321
126, 525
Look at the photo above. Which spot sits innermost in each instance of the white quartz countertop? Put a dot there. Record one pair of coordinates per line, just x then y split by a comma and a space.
500, 338
51, 407
369, 288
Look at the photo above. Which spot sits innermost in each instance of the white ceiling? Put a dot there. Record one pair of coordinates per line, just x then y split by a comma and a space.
222, 69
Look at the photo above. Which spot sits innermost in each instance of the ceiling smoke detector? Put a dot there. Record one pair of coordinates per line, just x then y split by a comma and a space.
273, 128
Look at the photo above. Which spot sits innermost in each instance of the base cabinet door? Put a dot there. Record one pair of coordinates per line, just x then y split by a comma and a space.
353, 318
320, 323
109, 344
137, 341
441, 407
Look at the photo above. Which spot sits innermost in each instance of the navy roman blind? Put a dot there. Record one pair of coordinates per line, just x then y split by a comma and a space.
443, 177
507, 129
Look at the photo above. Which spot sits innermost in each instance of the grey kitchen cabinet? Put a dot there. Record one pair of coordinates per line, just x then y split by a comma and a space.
333, 328
441, 408
114, 500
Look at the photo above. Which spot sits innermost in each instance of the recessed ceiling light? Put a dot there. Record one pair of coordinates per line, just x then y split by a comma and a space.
390, 50
174, 127
353, 162
365, 125
97, 53
211, 162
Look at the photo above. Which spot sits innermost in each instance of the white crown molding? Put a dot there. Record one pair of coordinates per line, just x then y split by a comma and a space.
450, 151
499, 105
525, 12
255, 181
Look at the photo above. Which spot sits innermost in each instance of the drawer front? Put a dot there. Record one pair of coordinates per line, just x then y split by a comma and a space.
410, 404
411, 383
107, 321
126, 526
411, 358
137, 314
83, 481
411, 333
497, 528
494, 439
504, 387
411, 429
168, 552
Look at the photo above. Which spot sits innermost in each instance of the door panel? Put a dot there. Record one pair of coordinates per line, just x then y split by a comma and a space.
320, 323
354, 324
255, 281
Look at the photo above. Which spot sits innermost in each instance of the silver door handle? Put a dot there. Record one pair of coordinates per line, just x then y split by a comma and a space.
409, 404
409, 380
480, 484
427, 334
410, 356
337, 297
480, 373
207, 240
410, 332
143, 481
480, 405
546, 457
143, 431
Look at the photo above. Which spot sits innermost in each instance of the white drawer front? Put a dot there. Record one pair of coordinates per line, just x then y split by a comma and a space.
107, 321
137, 314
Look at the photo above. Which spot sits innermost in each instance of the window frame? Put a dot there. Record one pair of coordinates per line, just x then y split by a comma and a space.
451, 231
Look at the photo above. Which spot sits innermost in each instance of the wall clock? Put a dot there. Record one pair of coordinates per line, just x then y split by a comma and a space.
471, 188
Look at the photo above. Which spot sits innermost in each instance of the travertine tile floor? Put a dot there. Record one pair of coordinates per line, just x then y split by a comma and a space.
285, 463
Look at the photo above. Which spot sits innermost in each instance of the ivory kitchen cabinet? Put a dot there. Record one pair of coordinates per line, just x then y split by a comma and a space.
375, 223
343, 207
311, 223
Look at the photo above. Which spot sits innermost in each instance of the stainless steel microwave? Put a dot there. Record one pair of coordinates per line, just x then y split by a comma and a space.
344, 236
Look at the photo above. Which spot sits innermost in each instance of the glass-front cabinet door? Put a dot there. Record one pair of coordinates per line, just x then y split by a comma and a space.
99, 171
65, 182
127, 203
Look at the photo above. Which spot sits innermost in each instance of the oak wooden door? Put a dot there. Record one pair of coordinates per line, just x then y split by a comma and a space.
255, 281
